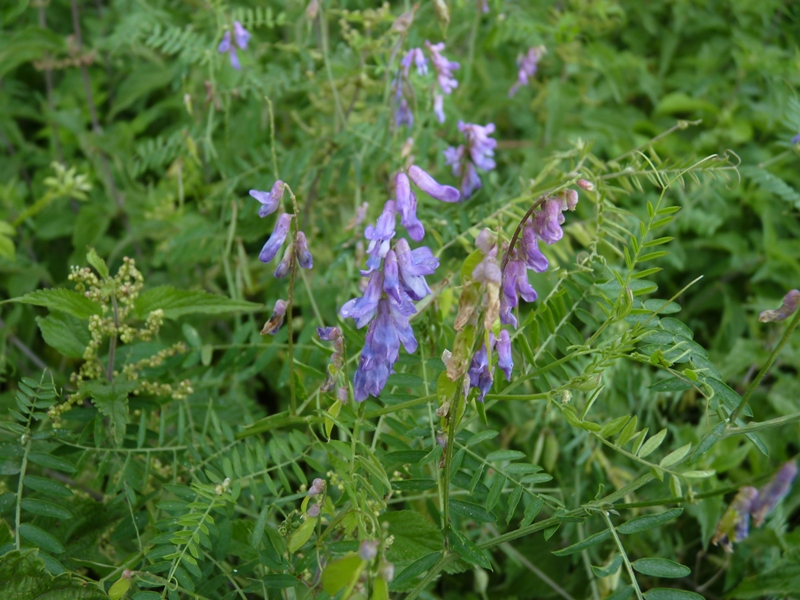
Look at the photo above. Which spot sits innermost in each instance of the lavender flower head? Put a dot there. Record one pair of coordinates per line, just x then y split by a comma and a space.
396, 280
416, 57
787, 308
317, 487
276, 320
269, 200
240, 37
444, 68
480, 371
796, 139
773, 492
430, 186
527, 64
734, 526
277, 238
402, 114
544, 224
477, 153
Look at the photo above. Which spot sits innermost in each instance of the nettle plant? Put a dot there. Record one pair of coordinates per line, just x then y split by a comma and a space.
550, 427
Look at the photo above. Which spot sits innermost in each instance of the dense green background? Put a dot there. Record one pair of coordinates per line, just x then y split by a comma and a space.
170, 138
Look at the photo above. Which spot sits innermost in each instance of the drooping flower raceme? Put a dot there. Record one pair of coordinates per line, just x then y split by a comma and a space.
527, 64
545, 225
396, 279
444, 68
298, 249
773, 492
240, 38
734, 525
478, 152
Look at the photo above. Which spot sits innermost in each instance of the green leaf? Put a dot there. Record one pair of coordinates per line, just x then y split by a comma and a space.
671, 594
48, 461
40, 538
62, 300
414, 570
120, 588
649, 521
675, 456
609, 569
111, 399
414, 536
653, 443
783, 580
47, 486
24, 575
481, 436
94, 259
661, 567
44, 509
302, 535
279, 581
468, 550
587, 543
471, 511
177, 303
501, 455
27, 45
65, 333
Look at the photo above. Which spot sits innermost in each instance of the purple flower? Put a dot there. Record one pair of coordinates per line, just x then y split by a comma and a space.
341, 395
413, 265
269, 201
368, 550
329, 334
277, 238
438, 107
313, 510
735, 522
533, 257
363, 309
304, 258
403, 114
416, 56
527, 64
796, 139
430, 186
241, 37
786, 310
504, 358
480, 371
407, 207
283, 268
773, 492
548, 220
515, 282
478, 152
317, 487
276, 320
379, 236
443, 67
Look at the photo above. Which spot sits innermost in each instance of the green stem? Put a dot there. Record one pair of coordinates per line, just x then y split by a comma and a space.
767, 366
625, 558
23, 467
751, 427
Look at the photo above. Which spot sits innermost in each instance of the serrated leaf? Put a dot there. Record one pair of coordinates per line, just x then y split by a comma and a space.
648, 521
177, 303
62, 300
64, 333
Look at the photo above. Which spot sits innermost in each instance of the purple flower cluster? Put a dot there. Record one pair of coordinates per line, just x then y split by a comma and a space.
297, 250
396, 280
527, 64
544, 224
734, 526
477, 153
796, 139
480, 370
240, 38
444, 76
